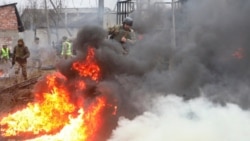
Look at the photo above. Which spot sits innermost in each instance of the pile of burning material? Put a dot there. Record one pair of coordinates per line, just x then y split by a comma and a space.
62, 109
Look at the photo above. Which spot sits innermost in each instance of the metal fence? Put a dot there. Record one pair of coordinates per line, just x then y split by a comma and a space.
124, 9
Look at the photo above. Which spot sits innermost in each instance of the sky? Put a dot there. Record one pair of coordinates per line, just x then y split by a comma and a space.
70, 3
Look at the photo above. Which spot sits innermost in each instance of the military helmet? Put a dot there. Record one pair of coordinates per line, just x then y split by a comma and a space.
128, 21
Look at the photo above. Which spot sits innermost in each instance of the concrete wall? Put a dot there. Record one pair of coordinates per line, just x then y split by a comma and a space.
9, 37
29, 35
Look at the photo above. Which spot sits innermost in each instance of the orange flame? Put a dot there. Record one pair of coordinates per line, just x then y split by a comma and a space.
79, 128
53, 116
80, 85
88, 67
43, 115
69, 131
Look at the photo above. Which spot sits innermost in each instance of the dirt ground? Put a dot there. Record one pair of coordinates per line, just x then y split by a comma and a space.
16, 98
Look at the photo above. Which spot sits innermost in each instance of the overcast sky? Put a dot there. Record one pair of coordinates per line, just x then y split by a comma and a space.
70, 3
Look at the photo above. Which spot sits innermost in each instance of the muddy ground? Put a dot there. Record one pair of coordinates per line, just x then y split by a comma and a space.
17, 97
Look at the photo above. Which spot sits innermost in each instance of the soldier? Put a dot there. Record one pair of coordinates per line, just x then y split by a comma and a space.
20, 55
5, 54
36, 54
123, 34
66, 48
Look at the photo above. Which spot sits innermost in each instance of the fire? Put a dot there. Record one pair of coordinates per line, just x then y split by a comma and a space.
53, 115
80, 85
79, 128
88, 67
42, 115
69, 131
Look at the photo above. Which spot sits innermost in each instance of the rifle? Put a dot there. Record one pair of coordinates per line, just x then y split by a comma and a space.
13, 61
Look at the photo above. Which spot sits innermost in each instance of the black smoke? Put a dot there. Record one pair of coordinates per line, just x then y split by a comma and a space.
209, 32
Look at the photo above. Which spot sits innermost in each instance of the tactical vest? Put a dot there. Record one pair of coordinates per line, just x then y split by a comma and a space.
20, 52
119, 33
5, 53
68, 49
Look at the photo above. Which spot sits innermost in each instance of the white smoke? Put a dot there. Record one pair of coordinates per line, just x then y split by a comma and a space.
171, 118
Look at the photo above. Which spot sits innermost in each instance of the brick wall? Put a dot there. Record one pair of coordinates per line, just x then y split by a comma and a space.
8, 19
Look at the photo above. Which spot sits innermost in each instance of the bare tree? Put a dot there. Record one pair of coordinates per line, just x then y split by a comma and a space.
43, 13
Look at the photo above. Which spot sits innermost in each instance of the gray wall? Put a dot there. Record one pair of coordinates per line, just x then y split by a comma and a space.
9, 37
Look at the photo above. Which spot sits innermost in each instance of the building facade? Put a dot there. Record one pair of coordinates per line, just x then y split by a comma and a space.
10, 24
62, 22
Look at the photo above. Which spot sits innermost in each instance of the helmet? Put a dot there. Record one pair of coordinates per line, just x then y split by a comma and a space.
128, 21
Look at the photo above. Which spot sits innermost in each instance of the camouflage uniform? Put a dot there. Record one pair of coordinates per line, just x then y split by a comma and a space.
20, 56
118, 32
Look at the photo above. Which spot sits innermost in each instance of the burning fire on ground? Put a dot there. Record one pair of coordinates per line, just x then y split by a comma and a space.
53, 115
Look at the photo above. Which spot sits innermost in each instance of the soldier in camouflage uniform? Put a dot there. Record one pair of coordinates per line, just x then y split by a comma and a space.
123, 34
20, 55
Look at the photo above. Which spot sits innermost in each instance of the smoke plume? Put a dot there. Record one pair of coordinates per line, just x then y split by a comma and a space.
211, 58
171, 118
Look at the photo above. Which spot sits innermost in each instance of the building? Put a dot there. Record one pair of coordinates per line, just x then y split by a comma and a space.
10, 24
61, 22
